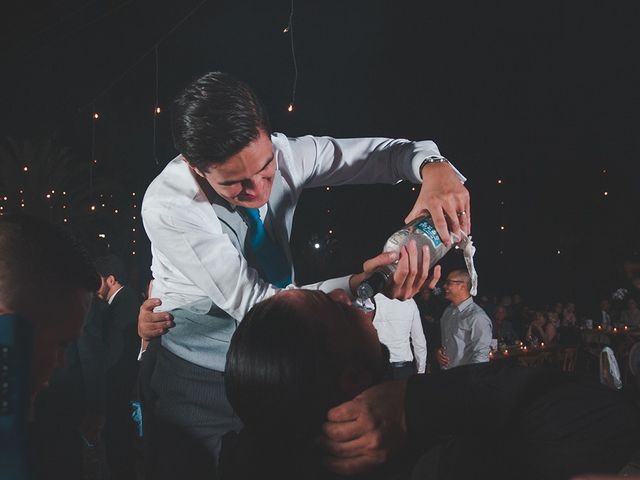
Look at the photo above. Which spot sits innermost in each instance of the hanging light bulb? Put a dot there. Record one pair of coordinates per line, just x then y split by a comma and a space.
96, 116
158, 110
285, 29
290, 107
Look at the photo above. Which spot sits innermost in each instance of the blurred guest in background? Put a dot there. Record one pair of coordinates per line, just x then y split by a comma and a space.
631, 315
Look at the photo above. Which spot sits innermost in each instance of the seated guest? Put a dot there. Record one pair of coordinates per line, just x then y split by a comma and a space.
541, 330
631, 315
569, 315
502, 328
299, 353
46, 285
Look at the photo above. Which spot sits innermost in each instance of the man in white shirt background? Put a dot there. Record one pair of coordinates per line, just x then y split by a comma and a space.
219, 218
400, 329
466, 328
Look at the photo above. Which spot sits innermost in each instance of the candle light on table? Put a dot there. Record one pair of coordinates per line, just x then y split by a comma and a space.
626, 328
505, 352
524, 349
541, 344
615, 329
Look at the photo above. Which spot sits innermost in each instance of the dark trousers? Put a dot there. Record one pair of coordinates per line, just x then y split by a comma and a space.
190, 414
402, 370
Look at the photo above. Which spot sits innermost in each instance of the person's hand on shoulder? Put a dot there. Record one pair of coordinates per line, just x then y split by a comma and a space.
363, 433
153, 324
446, 198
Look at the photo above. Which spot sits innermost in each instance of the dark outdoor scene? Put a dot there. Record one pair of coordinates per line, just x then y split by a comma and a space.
536, 104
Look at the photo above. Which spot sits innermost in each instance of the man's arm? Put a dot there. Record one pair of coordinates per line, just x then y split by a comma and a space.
480, 338
418, 340
365, 432
329, 161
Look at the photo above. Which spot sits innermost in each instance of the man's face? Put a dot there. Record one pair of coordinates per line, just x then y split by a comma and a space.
103, 291
59, 322
453, 287
245, 179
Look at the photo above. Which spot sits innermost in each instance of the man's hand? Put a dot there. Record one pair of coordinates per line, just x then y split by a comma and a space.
151, 324
442, 358
446, 198
364, 432
410, 275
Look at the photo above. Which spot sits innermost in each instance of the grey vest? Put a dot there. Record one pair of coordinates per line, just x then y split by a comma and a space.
203, 338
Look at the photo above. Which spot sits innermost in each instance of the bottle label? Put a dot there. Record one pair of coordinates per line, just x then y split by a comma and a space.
430, 232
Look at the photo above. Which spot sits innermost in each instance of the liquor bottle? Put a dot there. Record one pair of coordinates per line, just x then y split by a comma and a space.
423, 232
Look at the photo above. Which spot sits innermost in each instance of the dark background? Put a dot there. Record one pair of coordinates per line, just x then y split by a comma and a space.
541, 95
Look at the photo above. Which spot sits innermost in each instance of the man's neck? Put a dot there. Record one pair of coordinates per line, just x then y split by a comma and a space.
458, 302
116, 288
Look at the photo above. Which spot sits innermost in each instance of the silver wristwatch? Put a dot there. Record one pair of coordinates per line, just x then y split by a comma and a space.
431, 159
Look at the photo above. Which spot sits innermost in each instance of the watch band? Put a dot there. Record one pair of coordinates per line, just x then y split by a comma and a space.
431, 159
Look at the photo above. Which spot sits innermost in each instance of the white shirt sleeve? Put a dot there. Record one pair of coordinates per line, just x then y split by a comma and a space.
418, 341
323, 161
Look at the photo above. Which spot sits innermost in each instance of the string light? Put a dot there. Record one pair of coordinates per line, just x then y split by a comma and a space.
48, 195
499, 181
289, 29
102, 235
558, 252
115, 211
96, 116
328, 188
316, 246
606, 194
26, 169
93, 208
330, 231
158, 110
64, 220
501, 227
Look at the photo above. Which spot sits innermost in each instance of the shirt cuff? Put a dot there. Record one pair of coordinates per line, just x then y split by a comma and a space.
426, 149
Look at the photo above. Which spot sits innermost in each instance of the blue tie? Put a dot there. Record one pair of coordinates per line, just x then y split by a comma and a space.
272, 263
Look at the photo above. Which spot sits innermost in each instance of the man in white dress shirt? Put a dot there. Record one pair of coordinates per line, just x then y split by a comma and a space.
209, 214
400, 328
466, 328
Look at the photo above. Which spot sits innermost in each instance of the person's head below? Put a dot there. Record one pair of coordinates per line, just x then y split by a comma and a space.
457, 286
47, 280
539, 319
500, 314
113, 275
222, 130
296, 355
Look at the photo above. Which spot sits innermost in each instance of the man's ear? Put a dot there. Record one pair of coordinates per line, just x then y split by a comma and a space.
111, 280
353, 381
197, 171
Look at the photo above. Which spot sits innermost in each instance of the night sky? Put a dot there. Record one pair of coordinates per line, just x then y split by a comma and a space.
543, 96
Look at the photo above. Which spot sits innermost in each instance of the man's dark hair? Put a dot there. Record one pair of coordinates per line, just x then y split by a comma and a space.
214, 118
112, 265
283, 373
32, 251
